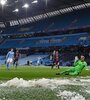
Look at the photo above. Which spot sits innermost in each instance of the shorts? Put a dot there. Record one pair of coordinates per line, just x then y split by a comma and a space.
9, 60
55, 62
15, 59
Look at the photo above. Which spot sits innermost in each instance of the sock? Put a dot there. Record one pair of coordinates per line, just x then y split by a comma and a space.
8, 66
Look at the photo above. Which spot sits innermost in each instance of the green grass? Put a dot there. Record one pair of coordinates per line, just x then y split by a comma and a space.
28, 72
37, 92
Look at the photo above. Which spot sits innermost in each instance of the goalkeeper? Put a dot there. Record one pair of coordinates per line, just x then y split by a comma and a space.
77, 69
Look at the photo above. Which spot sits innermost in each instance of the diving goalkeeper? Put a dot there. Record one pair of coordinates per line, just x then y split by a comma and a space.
77, 69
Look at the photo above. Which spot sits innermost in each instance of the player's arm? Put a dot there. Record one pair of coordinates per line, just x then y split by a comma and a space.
7, 55
75, 63
85, 64
18, 55
50, 57
13, 56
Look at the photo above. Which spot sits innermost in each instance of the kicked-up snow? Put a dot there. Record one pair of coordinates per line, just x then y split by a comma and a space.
68, 95
66, 89
48, 83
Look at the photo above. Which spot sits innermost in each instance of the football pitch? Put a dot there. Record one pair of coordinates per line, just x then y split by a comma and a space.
33, 72
42, 83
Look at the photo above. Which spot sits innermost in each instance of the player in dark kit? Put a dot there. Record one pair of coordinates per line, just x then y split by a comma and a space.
55, 59
16, 57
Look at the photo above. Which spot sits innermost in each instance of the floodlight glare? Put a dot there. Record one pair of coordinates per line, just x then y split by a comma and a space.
16, 10
25, 5
3, 2
16, 1
35, 1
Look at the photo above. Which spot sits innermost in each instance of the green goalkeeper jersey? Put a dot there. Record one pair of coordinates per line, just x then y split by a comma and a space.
80, 65
75, 63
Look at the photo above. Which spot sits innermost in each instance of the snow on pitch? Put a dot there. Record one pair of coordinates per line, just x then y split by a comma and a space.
51, 84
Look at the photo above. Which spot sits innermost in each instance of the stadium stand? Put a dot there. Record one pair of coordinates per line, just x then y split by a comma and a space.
75, 19
49, 33
59, 40
33, 58
24, 60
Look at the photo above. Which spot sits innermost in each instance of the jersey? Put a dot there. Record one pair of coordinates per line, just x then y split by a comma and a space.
80, 65
16, 55
75, 63
10, 55
55, 56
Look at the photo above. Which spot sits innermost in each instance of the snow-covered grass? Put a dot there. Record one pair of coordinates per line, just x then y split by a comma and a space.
46, 89
41, 83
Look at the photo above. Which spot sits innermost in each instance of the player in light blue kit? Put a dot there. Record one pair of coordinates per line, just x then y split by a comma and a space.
9, 58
